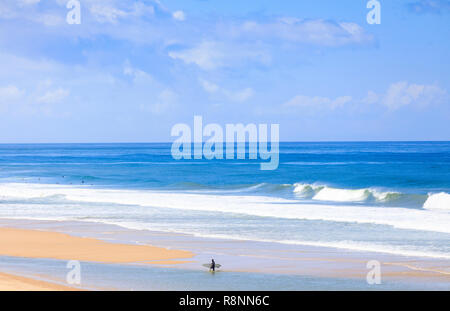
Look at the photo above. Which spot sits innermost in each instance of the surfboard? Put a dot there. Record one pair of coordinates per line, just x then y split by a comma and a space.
208, 265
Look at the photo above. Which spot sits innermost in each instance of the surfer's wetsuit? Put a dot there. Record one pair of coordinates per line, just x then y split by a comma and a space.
213, 265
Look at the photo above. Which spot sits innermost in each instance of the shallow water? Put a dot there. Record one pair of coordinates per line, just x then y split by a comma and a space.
96, 276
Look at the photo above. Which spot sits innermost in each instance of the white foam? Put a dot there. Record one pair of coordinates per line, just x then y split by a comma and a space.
401, 218
375, 247
349, 245
342, 195
324, 193
381, 196
306, 190
438, 201
408, 251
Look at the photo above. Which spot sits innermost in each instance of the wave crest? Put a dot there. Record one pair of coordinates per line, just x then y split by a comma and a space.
324, 193
365, 195
437, 201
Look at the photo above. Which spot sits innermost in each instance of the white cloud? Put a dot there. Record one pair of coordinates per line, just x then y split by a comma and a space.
402, 94
164, 102
50, 19
209, 86
9, 92
236, 96
233, 44
28, 2
398, 95
9, 9
241, 39
371, 98
317, 102
207, 55
315, 31
112, 12
240, 96
341, 101
430, 6
210, 55
155, 97
9, 95
54, 11
32, 91
53, 97
36, 98
105, 14
30, 11
179, 15
138, 75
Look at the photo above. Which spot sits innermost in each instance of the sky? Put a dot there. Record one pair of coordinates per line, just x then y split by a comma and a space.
131, 70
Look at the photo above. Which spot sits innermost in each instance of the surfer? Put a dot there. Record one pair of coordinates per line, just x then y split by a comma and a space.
213, 265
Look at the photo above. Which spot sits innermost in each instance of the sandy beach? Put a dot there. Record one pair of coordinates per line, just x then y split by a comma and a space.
9, 282
110, 247
41, 244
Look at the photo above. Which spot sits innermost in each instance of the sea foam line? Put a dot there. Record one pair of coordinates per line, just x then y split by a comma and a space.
347, 245
400, 218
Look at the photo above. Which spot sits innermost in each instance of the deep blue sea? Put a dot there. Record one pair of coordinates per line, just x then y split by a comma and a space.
391, 197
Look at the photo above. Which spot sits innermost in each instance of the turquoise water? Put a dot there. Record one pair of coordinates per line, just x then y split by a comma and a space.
388, 197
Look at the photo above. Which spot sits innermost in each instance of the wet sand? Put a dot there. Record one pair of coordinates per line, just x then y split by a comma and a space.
66, 241
9, 282
55, 245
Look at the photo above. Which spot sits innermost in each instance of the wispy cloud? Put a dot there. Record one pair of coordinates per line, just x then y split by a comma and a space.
53, 96
39, 99
240, 96
406, 94
309, 31
232, 43
179, 15
207, 55
186, 58
164, 102
9, 95
111, 12
430, 6
223, 43
99, 11
317, 102
27, 2
235, 96
154, 96
29, 10
209, 86
398, 95
210, 55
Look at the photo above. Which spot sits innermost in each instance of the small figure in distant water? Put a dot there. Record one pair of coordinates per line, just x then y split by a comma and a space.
82, 181
213, 266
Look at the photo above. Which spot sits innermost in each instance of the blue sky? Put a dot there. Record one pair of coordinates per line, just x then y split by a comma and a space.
133, 69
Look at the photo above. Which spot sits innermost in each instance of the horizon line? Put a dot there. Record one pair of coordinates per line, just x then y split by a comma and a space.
287, 141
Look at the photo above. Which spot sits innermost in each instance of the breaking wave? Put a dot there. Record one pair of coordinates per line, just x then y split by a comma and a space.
366, 195
438, 201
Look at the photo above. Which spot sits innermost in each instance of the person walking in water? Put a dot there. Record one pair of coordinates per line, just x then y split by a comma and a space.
213, 266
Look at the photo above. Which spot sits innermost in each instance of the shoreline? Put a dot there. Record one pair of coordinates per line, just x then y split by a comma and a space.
111, 244
12, 282
46, 244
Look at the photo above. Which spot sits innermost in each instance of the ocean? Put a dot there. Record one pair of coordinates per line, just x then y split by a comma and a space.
388, 197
